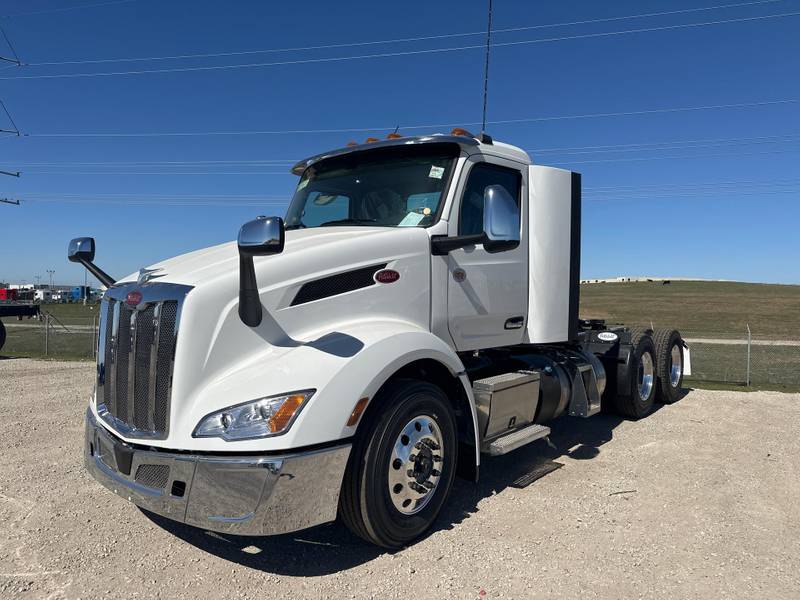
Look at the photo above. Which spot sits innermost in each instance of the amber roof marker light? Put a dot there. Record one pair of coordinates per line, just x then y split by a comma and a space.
460, 131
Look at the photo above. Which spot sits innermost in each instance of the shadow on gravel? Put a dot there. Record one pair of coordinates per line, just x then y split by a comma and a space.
332, 548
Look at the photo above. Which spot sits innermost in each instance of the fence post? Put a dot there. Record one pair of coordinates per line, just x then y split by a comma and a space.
749, 340
94, 336
46, 333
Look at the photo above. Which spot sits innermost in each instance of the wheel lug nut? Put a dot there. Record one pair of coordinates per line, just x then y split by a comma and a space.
418, 445
428, 485
418, 488
437, 458
435, 473
410, 472
412, 457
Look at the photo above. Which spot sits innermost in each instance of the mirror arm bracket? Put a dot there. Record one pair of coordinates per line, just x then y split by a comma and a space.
101, 275
442, 245
249, 300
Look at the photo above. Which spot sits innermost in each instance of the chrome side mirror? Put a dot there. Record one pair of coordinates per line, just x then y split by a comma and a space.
262, 236
259, 237
500, 219
81, 249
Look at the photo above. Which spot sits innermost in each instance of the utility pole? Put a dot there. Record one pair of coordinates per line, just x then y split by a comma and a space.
38, 279
50, 272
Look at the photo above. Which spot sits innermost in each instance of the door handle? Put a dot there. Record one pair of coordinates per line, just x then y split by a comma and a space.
515, 323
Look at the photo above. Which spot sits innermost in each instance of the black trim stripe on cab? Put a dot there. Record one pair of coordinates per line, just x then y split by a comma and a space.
337, 284
575, 257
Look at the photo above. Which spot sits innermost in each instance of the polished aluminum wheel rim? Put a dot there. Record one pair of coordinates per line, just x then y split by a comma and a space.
675, 366
415, 467
646, 372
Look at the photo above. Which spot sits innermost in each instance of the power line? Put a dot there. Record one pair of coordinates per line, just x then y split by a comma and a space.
600, 149
64, 9
159, 173
681, 157
791, 181
266, 162
400, 40
10, 118
11, 46
398, 53
285, 173
738, 105
676, 144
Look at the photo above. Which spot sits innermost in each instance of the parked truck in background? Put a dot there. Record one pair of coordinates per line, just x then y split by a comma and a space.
12, 306
416, 311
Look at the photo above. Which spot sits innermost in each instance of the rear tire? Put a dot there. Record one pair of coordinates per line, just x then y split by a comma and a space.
636, 401
409, 444
669, 365
2, 335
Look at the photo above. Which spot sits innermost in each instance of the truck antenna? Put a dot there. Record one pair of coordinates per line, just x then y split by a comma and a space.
484, 137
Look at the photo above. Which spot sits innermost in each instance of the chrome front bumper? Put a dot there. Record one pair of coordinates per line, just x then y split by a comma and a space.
243, 495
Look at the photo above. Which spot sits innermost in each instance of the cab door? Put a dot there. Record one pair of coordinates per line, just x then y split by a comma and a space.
487, 291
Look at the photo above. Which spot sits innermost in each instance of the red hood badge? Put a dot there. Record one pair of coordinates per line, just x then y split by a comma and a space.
133, 298
387, 276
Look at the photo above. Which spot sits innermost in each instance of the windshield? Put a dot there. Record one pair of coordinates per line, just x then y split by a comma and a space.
401, 186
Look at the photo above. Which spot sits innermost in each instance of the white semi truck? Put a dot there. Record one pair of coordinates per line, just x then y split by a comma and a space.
416, 310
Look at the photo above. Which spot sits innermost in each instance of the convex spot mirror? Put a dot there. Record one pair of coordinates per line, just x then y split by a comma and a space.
262, 236
81, 249
500, 219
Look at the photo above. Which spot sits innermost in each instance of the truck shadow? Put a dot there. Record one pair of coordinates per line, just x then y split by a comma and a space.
331, 548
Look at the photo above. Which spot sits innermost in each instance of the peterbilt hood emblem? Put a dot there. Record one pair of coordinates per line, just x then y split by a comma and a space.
146, 275
133, 298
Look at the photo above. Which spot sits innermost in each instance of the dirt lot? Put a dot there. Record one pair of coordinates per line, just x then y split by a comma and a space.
697, 501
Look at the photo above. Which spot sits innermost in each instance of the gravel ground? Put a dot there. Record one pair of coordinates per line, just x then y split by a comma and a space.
697, 501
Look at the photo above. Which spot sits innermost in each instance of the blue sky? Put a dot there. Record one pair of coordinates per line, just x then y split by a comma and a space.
707, 193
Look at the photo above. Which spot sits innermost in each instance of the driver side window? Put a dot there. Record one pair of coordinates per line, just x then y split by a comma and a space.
482, 175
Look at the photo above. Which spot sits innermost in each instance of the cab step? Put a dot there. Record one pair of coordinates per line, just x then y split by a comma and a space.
511, 441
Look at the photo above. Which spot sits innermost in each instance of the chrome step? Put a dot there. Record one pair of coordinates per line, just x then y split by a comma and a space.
515, 439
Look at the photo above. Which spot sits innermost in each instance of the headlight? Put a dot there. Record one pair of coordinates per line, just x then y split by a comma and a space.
260, 418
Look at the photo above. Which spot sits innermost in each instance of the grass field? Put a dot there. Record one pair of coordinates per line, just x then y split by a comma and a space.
71, 335
710, 309
698, 307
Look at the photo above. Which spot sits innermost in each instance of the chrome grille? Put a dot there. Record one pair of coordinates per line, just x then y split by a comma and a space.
136, 357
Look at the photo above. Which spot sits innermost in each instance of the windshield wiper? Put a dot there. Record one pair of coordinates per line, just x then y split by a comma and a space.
347, 222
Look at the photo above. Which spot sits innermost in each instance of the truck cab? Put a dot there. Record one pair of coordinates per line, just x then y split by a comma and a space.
414, 310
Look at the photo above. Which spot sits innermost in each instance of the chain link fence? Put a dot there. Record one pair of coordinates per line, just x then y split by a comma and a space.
740, 358
744, 358
51, 337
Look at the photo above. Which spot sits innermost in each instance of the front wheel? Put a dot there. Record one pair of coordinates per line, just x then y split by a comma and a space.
402, 465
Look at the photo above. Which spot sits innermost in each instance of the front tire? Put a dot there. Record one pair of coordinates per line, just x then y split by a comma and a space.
402, 465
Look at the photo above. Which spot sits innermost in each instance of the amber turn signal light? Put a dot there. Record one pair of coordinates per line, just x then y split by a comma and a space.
284, 414
357, 410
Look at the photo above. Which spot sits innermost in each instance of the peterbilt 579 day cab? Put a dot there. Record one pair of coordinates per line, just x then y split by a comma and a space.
416, 310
